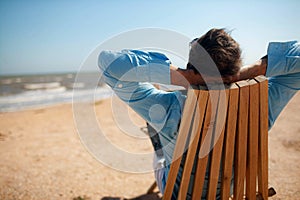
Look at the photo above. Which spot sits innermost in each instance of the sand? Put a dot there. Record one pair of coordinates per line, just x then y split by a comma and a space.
42, 156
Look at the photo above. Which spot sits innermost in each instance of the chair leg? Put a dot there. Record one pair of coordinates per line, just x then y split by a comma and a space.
152, 187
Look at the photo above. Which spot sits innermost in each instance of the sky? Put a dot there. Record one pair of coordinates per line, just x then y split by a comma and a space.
54, 36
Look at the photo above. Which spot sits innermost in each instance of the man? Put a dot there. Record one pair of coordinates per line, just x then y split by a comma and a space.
129, 72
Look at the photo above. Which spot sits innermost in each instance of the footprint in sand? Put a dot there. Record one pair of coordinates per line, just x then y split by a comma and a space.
2, 136
292, 144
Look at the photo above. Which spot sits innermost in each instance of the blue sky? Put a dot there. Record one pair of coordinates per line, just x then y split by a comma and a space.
56, 36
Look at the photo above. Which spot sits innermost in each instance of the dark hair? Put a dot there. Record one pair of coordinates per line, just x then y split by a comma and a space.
223, 49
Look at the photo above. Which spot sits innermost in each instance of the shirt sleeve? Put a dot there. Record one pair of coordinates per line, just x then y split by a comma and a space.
283, 72
135, 66
283, 58
128, 73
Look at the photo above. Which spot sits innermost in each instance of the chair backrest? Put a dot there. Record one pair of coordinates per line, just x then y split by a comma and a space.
222, 128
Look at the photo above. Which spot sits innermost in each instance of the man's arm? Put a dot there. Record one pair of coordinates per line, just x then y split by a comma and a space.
128, 73
283, 59
282, 67
251, 71
185, 77
127, 66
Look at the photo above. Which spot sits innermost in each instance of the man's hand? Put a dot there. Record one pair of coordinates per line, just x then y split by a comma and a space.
185, 77
179, 77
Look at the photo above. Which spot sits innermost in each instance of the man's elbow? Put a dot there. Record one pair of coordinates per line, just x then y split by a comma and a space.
103, 60
114, 63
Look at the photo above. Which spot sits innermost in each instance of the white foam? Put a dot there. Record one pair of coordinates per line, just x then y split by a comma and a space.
38, 98
18, 80
39, 86
78, 85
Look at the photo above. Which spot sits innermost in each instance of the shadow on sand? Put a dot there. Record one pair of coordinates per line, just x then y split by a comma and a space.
153, 196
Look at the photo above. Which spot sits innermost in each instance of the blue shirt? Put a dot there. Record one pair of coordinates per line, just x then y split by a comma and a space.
130, 72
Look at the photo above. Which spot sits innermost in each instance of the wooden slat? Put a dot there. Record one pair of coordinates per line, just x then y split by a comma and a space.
218, 141
206, 146
205, 135
193, 143
241, 141
181, 141
263, 138
252, 151
229, 142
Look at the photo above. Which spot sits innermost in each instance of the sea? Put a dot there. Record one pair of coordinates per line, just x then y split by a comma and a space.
21, 92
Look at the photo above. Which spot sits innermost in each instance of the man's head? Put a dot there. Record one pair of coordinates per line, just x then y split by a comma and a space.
223, 50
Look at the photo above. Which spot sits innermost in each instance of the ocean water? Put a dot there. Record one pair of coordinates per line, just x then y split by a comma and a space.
32, 91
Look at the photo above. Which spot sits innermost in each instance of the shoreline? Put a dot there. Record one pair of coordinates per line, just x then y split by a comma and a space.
50, 105
25, 101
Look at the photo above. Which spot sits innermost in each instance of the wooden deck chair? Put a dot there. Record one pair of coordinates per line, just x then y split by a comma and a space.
219, 129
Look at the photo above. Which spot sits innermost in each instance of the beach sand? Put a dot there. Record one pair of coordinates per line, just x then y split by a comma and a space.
42, 156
